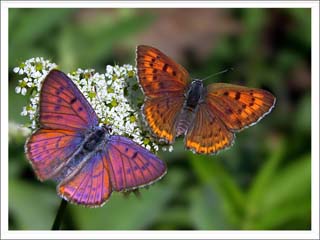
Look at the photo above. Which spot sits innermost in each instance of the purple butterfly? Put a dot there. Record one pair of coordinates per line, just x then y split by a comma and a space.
84, 158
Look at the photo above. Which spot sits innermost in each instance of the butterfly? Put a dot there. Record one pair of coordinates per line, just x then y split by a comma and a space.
85, 159
177, 105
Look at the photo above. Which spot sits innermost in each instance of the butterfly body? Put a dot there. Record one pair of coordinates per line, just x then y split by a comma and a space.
193, 97
86, 160
208, 116
94, 142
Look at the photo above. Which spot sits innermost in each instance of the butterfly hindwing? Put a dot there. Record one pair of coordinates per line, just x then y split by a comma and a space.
158, 74
132, 166
161, 115
238, 106
90, 186
62, 105
207, 133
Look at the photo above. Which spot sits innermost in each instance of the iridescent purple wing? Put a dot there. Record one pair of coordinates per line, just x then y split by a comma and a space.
91, 185
132, 166
64, 116
48, 150
62, 105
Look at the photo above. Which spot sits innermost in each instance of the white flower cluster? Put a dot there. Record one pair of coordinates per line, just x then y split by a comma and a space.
34, 71
115, 96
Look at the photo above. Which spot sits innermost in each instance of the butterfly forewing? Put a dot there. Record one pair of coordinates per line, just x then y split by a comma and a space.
62, 105
132, 166
207, 134
158, 74
238, 106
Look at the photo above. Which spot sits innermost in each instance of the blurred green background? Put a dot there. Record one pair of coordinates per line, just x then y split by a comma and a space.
262, 182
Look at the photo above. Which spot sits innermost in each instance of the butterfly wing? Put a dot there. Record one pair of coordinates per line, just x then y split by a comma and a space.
47, 150
64, 115
158, 74
91, 185
164, 83
207, 134
62, 105
161, 114
132, 166
238, 106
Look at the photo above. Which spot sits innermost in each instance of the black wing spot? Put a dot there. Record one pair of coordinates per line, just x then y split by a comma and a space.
228, 111
134, 155
80, 109
57, 107
165, 67
126, 150
237, 97
58, 91
174, 73
226, 94
244, 106
154, 70
73, 100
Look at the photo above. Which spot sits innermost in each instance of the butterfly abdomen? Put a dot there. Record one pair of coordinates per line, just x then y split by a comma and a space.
185, 119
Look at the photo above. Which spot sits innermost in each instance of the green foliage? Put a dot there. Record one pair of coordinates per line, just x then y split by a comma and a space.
262, 182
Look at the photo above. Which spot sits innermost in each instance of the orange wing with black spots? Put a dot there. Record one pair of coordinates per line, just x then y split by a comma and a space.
238, 106
158, 74
161, 114
207, 134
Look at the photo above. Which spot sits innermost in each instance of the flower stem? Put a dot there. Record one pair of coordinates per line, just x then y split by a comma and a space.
58, 220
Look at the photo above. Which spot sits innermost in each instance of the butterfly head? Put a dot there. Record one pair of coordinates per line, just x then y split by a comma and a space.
107, 129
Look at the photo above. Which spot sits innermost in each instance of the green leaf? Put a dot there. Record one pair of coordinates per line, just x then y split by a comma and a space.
212, 173
263, 178
32, 206
206, 209
285, 198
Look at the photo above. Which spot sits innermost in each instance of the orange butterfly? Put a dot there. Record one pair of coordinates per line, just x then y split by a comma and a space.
208, 116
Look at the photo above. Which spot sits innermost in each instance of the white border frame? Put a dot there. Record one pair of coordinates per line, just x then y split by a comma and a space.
313, 234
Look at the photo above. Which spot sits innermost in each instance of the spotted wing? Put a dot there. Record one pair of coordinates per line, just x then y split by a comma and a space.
132, 166
158, 74
90, 186
62, 105
207, 134
238, 106
161, 115
48, 150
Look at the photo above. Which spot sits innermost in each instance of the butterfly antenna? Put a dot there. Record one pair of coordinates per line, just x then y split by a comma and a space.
214, 74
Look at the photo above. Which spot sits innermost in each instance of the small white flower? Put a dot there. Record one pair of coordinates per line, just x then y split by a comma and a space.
18, 89
24, 111
16, 70
23, 91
